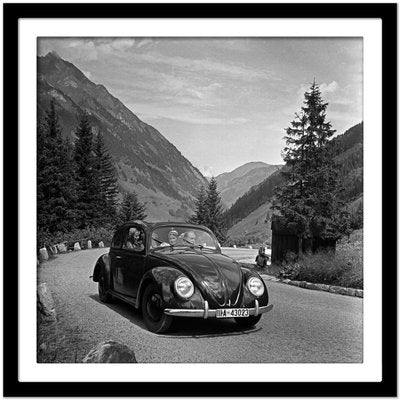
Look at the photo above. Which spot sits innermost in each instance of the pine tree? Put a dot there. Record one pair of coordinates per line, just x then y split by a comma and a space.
214, 211
90, 206
107, 180
200, 216
131, 208
56, 191
309, 200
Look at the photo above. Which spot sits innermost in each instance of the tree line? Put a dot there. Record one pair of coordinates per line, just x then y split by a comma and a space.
77, 183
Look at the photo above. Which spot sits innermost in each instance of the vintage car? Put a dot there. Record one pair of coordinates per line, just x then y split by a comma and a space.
173, 270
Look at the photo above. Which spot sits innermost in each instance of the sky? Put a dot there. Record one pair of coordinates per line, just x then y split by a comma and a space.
222, 102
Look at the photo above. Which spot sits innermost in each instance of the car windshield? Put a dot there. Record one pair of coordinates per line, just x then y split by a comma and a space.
179, 236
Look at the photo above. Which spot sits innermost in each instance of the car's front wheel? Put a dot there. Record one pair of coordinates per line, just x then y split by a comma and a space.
104, 294
248, 322
153, 312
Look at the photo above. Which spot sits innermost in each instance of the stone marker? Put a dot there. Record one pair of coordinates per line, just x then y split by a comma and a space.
89, 244
43, 254
234, 246
45, 304
77, 246
110, 352
62, 248
101, 244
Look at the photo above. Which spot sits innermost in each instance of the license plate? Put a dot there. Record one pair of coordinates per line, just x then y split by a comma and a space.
232, 312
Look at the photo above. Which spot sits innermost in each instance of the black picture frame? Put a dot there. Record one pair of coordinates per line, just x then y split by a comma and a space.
387, 13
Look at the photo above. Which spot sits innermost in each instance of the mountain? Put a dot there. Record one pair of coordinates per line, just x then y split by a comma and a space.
234, 184
249, 216
145, 160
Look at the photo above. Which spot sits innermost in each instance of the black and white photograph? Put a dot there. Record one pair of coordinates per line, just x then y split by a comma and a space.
200, 200
195, 199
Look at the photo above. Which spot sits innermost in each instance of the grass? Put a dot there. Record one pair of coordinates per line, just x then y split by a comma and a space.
341, 268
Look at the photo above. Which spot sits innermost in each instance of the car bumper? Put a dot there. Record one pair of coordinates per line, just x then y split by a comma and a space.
210, 313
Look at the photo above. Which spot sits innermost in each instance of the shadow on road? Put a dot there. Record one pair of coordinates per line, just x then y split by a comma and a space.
182, 327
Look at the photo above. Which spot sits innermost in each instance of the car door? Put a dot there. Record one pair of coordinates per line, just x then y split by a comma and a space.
129, 262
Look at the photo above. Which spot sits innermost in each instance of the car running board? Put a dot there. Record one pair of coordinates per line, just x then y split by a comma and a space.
126, 299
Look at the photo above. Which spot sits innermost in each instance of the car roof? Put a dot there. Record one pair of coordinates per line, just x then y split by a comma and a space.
153, 225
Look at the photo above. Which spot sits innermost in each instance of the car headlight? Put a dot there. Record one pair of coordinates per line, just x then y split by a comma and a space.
256, 286
184, 287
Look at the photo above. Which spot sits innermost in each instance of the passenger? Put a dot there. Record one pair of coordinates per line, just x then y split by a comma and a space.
173, 237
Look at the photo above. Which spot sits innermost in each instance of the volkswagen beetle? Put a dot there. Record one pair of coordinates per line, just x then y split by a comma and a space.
174, 270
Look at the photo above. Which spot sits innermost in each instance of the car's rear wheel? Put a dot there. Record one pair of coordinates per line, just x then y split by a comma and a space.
248, 322
153, 312
104, 294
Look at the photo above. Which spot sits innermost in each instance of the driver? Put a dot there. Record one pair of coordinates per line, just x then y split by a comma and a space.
189, 237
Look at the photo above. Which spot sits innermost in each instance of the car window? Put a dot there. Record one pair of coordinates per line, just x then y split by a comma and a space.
134, 240
118, 239
167, 236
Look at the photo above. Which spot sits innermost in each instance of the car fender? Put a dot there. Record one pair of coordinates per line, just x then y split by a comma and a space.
248, 298
102, 265
164, 277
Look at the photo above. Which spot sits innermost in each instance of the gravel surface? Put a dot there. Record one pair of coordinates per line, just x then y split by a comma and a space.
304, 326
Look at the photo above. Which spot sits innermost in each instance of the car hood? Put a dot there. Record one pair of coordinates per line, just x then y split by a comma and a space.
217, 276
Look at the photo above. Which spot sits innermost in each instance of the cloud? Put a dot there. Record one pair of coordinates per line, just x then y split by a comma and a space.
329, 88
87, 74
206, 65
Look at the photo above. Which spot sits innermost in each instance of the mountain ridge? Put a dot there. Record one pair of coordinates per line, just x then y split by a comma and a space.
145, 160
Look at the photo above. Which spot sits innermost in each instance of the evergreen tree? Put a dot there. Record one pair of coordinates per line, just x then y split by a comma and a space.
309, 200
56, 191
131, 208
107, 180
214, 211
200, 216
90, 206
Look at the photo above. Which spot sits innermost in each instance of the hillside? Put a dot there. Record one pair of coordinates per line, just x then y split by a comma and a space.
145, 160
234, 184
245, 218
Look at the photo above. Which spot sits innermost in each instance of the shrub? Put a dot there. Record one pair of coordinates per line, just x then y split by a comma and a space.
343, 268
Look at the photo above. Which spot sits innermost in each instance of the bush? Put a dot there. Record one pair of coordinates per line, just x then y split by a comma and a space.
343, 268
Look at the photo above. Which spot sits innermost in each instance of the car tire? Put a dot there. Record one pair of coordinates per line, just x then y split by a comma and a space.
153, 312
248, 322
104, 295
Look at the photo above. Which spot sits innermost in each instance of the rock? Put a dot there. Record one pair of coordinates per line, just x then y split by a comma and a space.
101, 244
45, 304
359, 293
55, 251
234, 246
62, 248
286, 281
89, 244
322, 286
110, 352
77, 246
294, 283
302, 284
351, 292
250, 246
43, 255
311, 286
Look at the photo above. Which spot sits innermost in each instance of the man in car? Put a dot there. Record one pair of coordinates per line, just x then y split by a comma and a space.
189, 237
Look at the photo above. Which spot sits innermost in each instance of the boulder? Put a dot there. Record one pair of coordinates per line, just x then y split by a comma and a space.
89, 244
101, 244
77, 246
62, 248
54, 248
45, 304
311, 286
234, 246
359, 293
43, 254
110, 352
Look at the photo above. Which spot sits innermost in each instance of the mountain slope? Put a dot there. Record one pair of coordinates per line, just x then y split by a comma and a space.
145, 160
246, 217
234, 184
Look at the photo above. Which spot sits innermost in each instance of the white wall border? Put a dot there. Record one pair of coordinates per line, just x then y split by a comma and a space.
371, 369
